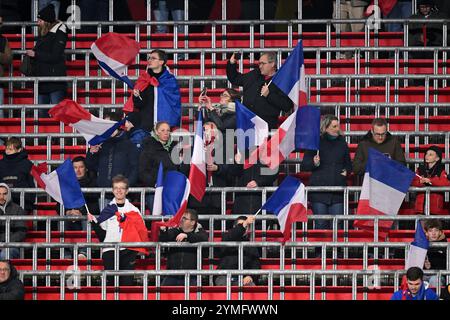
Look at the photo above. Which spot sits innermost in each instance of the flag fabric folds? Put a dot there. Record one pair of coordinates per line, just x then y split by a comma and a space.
94, 130
157, 202
418, 249
288, 203
61, 184
290, 78
384, 187
251, 130
197, 173
301, 130
114, 53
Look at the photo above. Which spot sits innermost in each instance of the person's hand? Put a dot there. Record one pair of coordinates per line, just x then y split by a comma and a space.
136, 93
95, 149
316, 160
181, 237
233, 59
265, 90
344, 172
163, 228
249, 221
252, 184
247, 281
212, 167
30, 53
90, 217
237, 157
205, 101
425, 180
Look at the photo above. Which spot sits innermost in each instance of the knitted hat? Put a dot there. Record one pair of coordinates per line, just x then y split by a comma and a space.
437, 150
134, 118
47, 14
425, 2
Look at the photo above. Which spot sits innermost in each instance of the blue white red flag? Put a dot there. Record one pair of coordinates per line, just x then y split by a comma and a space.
418, 249
157, 202
251, 130
288, 203
197, 173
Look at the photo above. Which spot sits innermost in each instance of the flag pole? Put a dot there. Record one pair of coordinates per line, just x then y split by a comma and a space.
87, 209
257, 212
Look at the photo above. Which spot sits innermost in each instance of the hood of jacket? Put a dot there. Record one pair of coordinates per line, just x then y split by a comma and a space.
12, 275
8, 196
15, 157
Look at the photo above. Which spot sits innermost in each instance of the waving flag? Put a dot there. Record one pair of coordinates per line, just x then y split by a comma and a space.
175, 194
197, 173
385, 185
301, 130
418, 249
251, 129
288, 203
93, 129
61, 184
157, 202
114, 53
291, 76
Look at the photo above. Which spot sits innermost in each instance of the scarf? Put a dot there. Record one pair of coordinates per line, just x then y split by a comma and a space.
166, 145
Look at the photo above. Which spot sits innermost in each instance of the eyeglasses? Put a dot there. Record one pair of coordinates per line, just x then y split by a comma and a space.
153, 58
4, 269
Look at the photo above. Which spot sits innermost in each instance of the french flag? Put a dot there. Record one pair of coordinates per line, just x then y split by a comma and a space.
384, 187
418, 249
114, 53
157, 202
174, 199
291, 76
301, 130
61, 184
251, 130
93, 129
197, 173
288, 203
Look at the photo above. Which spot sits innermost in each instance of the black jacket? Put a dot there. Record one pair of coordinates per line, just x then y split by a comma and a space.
152, 154
118, 155
229, 256
268, 108
334, 157
438, 257
15, 170
18, 228
223, 122
182, 258
12, 289
49, 58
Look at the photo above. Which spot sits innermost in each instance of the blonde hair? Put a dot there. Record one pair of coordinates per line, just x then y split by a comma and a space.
325, 123
46, 27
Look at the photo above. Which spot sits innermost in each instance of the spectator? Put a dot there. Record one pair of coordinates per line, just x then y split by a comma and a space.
425, 34
229, 255
436, 257
161, 11
417, 288
380, 139
135, 133
117, 155
158, 148
109, 227
156, 80
49, 58
432, 173
330, 166
17, 228
223, 114
445, 293
181, 258
11, 288
5, 62
260, 95
15, 170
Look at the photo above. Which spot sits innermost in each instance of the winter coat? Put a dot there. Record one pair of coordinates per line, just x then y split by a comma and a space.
334, 158
223, 121
433, 30
389, 146
118, 155
12, 289
18, 229
229, 255
15, 170
182, 258
50, 59
152, 154
438, 256
438, 178
268, 108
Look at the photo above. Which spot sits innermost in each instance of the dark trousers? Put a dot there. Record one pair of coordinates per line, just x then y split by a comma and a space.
127, 261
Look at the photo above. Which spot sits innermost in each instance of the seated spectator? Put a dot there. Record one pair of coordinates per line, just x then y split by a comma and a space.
15, 170
417, 288
425, 34
109, 227
431, 173
181, 258
223, 114
18, 228
11, 288
117, 155
229, 255
436, 257
156, 149
330, 166
380, 139
135, 133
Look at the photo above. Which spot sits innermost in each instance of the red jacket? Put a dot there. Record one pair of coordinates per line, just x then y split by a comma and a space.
436, 198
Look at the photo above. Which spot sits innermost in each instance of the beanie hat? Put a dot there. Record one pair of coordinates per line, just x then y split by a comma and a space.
134, 118
47, 14
425, 2
437, 150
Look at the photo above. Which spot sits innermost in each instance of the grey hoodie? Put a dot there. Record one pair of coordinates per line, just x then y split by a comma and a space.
18, 229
